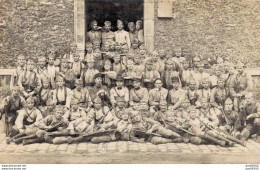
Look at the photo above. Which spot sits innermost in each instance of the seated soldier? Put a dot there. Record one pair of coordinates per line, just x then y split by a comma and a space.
129, 73
176, 95
29, 81
218, 74
171, 70
144, 109
134, 47
9, 107
143, 55
39, 133
119, 107
192, 92
119, 91
27, 117
82, 95
150, 75
162, 55
204, 92
98, 60
147, 126
62, 94
200, 74
99, 90
107, 34
138, 93
106, 54
229, 120
21, 61
89, 52
218, 95
52, 69
45, 92
138, 67
132, 35
157, 94
42, 70
186, 73
90, 73
160, 113
157, 63
250, 117
48, 109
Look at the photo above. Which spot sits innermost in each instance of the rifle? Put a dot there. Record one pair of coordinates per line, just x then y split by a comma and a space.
145, 134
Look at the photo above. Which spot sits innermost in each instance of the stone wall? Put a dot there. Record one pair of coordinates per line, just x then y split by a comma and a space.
213, 27
34, 27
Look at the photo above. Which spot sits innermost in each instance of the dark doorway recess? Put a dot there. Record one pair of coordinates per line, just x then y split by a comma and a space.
112, 10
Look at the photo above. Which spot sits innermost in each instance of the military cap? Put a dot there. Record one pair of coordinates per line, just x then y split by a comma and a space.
96, 42
131, 24
79, 81
98, 75
192, 81
155, 53
107, 23
97, 100
175, 80
64, 60
89, 44
15, 87
149, 62
169, 61
217, 67
120, 98
141, 47
139, 22
93, 22
107, 62
205, 79
135, 41
137, 79
21, 56
119, 78
42, 59
90, 60
50, 102
228, 101
59, 108
74, 101
59, 78
203, 99
51, 56
30, 60
45, 79
163, 102
30, 99
130, 61
76, 55
119, 22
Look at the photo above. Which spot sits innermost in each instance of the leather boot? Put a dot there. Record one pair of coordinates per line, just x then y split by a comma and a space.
101, 139
31, 141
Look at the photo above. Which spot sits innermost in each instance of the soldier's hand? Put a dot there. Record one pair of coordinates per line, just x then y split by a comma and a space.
249, 117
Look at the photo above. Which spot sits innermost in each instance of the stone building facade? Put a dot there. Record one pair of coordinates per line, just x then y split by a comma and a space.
212, 27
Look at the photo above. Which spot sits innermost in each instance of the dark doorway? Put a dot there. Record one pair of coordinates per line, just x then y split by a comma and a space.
112, 10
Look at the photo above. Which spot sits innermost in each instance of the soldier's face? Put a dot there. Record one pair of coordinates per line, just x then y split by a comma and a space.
98, 80
121, 104
117, 59
185, 105
228, 106
249, 99
161, 54
142, 51
94, 26
89, 48
120, 26
137, 59
136, 118
158, 84
170, 117
149, 66
163, 107
136, 84
178, 52
90, 64
65, 64
196, 62
240, 70
30, 66
30, 104
58, 114
96, 46
205, 85
117, 47
125, 116
135, 45
51, 61
131, 29
106, 47
15, 92
155, 58
73, 47
218, 72
125, 50
107, 66
112, 47
45, 85
78, 86
130, 65
185, 65
21, 62
138, 27
143, 106
221, 84
50, 107
60, 83
119, 83
192, 86
76, 58
204, 104
231, 70
97, 105
175, 85
42, 63
107, 27
169, 66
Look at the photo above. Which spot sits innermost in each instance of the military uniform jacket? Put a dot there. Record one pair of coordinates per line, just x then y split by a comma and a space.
137, 95
89, 75
254, 108
240, 83
108, 36
156, 95
44, 95
167, 76
29, 81
50, 120
186, 75
204, 93
103, 115
132, 36
27, 117
175, 97
116, 92
17, 73
122, 37
43, 73
150, 75
209, 115
218, 97
71, 115
200, 76
232, 118
193, 95
82, 96
93, 35
118, 68
78, 68
62, 96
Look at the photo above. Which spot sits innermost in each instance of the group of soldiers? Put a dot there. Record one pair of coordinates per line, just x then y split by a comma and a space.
118, 91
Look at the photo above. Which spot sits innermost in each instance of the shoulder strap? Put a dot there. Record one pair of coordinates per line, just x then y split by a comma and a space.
137, 94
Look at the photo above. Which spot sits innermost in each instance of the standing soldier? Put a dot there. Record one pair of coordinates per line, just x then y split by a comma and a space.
171, 70
139, 31
67, 73
118, 66
119, 91
90, 72
62, 94
230, 76
107, 35
52, 69
176, 95
192, 92
9, 106
109, 75
94, 34
200, 74
157, 63
138, 93
121, 36
205, 92
77, 66
132, 34
89, 51
21, 68
186, 73
250, 117
217, 75
29, 81
45, 92
150, 75
157, 94
42, 70
129, 74
239, 85
82, 95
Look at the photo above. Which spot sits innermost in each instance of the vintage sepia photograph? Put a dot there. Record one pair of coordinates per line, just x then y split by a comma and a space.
130, 82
